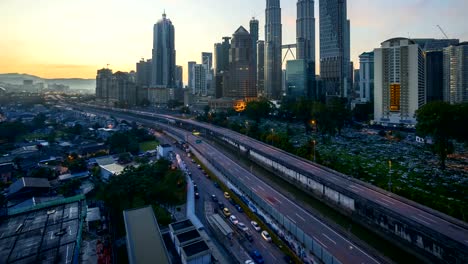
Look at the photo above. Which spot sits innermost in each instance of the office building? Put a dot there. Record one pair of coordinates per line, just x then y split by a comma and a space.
104, 84
179, 83
296, 79
305, 40
273, 42
434, 69
261, 68
143, 73
431, 44
242, 83
222, 55
399, 82
207, 62
191, 75
455, 77
164, 54
334, 47
254, 37
199, 80
366, 77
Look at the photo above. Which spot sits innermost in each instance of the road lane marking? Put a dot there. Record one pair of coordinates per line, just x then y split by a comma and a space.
263, 246
263, 189
333, 241
320, 242
66, 258
300, 217
291, 220
273, 256
387, 200
383, 203
425, 217
420, 220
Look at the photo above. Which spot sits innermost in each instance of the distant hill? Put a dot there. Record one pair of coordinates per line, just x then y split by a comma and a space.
74, 83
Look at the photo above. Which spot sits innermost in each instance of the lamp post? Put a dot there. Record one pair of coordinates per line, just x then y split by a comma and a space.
314, 150
390, 176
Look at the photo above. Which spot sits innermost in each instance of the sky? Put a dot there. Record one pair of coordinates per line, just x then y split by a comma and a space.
75, 38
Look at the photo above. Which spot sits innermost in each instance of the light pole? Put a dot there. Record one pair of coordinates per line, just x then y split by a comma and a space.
314, 150
390, 176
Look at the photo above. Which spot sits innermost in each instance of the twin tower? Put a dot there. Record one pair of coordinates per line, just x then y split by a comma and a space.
305, 43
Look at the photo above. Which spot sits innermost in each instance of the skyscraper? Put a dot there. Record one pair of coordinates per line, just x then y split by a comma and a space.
143, 73
261, 68
305, 38
163, 72
456, 73
179, 83
254, 37
399, 82
199, 72
125, 89
241, 82
334, 47
434, 68
296, 78
191, 75
207, 60
104, 84
366, 76
273, 42
221, 55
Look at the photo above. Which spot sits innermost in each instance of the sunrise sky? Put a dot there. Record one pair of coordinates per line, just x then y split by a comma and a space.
73, 38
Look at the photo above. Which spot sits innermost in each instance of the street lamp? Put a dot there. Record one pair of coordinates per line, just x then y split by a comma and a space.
314, 149
389, 175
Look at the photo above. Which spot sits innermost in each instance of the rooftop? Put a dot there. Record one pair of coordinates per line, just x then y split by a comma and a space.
195, 248
183, 225
48, 235
189, 235
113, 168
26, 182
144, 240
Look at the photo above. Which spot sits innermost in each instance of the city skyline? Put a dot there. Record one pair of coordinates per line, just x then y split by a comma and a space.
43, 39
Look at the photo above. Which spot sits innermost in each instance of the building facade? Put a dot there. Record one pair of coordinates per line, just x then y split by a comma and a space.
455, 77
273, 42
179, 82
164, 54
191, 75
125, 88
261, 68
434, 69
296, 79
254, 36
143, 73
334, 47
104, 83
430, 44
366, 77
222, 55
242, 83
399, 82
199, 72
305, 39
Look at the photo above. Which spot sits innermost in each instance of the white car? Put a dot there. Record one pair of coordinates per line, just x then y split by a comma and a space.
242, 227
249, 261
255, 226
266, 236
233, 219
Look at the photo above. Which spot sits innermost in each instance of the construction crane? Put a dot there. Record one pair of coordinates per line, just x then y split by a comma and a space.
443, 32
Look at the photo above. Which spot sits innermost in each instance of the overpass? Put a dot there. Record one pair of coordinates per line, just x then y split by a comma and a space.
433, 235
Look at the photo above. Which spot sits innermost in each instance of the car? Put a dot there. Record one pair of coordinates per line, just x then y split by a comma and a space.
193, 161
214, 198
257, 257
248, 236
233, 219
198, 165
216, 184
266, 236
239, 208
255, 226
226, 212
221, 205
231, 201
197, 195
242, 227
226, 195
195, 187
249, 261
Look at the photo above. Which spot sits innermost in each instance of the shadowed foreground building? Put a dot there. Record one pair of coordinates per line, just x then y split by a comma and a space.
456, 73
164, 55
273, 42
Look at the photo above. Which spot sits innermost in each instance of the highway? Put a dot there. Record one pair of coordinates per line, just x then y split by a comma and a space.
447, 226
337, 245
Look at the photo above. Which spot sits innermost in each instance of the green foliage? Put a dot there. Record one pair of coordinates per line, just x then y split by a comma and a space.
123, 142
38, 121
171, 104
443, 122
69, 188
75, 164
256, 110
363, 112
40, 172
185, 110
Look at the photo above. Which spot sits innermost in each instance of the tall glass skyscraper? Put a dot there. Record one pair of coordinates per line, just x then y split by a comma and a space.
305, 37
261, 68
254, 36
334, 47
163, 71
273, 42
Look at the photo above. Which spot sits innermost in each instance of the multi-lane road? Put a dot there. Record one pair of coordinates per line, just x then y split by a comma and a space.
333, 242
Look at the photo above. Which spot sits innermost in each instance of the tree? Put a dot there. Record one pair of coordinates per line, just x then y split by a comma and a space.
437, 119
256, 110
171, 104
339, 113
363, 112
39, 121
123, 142
40, 172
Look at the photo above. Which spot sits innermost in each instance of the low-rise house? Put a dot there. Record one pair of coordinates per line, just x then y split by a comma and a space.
28, 187
164, 150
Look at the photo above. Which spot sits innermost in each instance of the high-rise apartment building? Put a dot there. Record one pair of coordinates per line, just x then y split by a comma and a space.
261, 68
455, 77
104, 79
143, 73
399, 82
125, 89
434, 70
273, 42
305, 39
191, 75
366, 77
241, 82
199, 72
334, 47
164, 55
